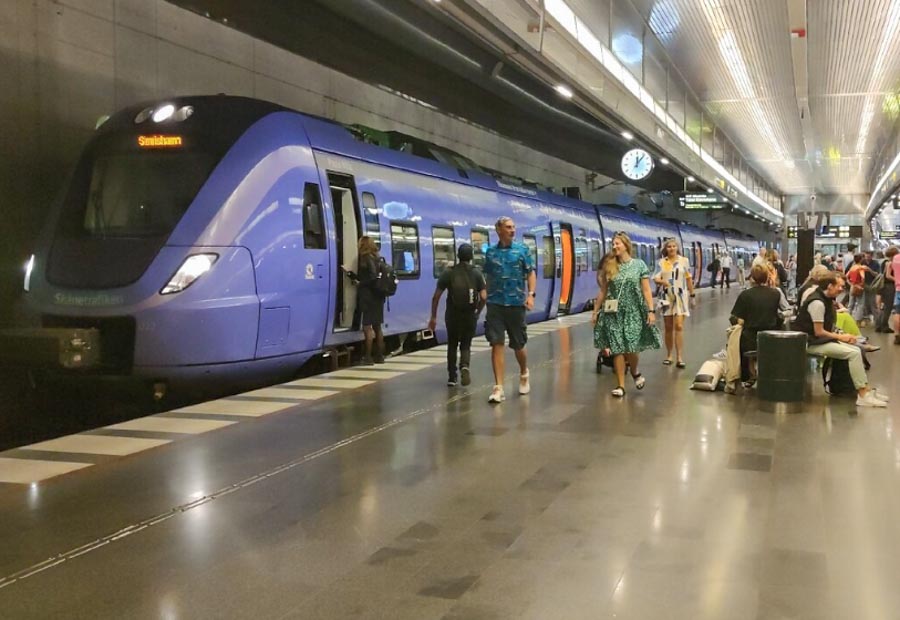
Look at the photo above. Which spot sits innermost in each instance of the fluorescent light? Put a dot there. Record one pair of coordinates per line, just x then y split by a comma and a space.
565, 91
664, 161
628, 135
690, 179
709, 190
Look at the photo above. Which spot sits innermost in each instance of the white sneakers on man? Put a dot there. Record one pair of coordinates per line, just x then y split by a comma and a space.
497, 395
870, 400
524, 384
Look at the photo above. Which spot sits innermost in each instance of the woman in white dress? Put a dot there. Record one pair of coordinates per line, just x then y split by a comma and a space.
673, 275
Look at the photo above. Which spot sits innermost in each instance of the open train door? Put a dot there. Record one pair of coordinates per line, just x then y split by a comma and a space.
565, 267
347, 228
548, 273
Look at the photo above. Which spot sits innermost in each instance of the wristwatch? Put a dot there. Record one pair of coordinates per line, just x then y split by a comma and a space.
532, 294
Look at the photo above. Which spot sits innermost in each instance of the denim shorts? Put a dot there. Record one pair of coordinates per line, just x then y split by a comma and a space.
897, 302
509, 320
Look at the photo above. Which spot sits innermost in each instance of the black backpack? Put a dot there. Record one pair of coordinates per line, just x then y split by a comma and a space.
462, 293
386, 281
836, 378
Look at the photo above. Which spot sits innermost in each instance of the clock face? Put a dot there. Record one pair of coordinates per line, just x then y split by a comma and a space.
637, 164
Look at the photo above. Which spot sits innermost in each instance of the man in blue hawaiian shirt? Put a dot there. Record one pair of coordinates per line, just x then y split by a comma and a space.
511, 281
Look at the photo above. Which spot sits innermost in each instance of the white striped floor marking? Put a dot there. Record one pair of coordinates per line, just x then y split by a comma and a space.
26, 471
291, 394
396, 366
353, 373
170, 425
330, 382
409, 361
97, 444
224, 406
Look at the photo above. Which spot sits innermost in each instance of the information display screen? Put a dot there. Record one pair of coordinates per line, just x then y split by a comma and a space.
889, 234
701, 201
840, 232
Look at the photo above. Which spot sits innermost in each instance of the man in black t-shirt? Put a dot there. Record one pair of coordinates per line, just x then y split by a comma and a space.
466, 296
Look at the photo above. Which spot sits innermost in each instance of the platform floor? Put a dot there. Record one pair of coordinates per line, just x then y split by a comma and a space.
397, 497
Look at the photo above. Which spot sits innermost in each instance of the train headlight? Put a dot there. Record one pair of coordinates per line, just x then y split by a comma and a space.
29, 267
192, 268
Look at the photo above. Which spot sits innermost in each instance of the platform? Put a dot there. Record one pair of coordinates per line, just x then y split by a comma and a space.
382, 493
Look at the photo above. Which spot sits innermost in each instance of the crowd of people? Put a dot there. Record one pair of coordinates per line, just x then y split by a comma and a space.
830, 305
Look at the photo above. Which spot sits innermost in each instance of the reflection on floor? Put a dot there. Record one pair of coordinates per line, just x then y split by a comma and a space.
403, 498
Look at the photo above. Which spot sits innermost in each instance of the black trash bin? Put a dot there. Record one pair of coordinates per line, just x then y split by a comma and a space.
781, 366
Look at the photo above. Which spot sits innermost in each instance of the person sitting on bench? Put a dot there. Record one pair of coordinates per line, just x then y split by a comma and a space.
816, 317
756, 308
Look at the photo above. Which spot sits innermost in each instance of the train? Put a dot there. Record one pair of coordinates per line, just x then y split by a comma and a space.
203, 238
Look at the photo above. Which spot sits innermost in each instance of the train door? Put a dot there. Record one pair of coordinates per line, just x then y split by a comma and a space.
347, 229
548, 272
698, 262
566, 268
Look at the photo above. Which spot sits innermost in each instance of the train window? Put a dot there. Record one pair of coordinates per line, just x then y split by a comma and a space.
313, 222
549, 258
481, 239
405, 249
581, 255
370, 214
444, 247
530, 242
595, 255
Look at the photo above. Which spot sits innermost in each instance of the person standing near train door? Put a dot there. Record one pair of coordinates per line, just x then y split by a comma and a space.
511, 282
466, 297
726, 270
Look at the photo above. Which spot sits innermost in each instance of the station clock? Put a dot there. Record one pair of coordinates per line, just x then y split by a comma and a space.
637, 164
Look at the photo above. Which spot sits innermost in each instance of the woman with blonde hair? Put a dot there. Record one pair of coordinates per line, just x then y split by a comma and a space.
624, 317
673, 274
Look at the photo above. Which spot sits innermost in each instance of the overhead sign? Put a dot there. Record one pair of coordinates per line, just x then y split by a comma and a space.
701, 201
889, 234
895, 203
840, 232
792, 232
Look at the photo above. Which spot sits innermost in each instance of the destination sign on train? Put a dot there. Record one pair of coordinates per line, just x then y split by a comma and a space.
159, 142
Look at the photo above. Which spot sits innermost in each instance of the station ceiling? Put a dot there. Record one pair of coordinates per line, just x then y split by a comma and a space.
812, 111
406, 46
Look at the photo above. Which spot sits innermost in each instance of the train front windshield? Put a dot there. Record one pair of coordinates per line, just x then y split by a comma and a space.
140, 194
125, 198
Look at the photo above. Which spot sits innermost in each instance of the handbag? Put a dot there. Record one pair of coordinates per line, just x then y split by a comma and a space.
856, 290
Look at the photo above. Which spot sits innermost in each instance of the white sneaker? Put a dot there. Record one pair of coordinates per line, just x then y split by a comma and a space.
524, 384
497, 395
869, 400
879, 395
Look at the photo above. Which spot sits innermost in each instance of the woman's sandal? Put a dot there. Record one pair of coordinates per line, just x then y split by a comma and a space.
619, 392
680, 364
667, 362
639, 381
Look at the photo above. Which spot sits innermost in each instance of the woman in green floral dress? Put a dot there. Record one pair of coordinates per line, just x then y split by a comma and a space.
624, 318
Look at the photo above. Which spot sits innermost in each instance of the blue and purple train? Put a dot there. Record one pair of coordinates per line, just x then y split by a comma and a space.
202, 237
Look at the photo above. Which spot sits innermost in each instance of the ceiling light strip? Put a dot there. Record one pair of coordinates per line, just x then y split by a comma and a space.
563, 14
875, 193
